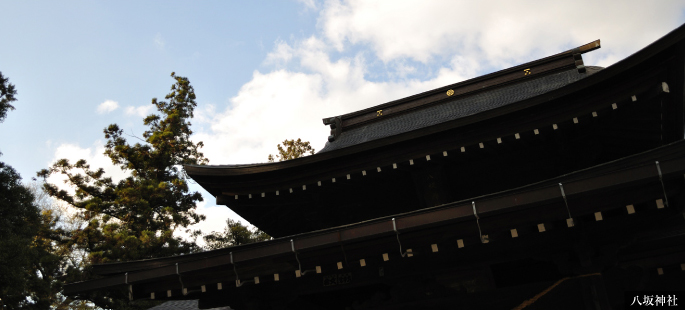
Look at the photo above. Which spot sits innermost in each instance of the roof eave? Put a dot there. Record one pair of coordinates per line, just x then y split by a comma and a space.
629, 170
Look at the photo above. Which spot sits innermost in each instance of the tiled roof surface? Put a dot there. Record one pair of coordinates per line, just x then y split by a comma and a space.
182, 305
456, 109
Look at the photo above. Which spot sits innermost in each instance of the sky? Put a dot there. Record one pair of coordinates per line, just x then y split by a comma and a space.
266, 71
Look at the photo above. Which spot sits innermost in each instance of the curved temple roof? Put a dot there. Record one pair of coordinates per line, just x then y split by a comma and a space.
430, 108
357, 137
455, 109
487, 110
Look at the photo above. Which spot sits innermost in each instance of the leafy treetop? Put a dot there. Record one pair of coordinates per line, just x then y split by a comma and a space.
19, 224
33, 260
235, 233
292, 149
135, 218
7, 93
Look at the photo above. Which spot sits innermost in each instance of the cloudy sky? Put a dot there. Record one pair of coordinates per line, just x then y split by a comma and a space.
268, 71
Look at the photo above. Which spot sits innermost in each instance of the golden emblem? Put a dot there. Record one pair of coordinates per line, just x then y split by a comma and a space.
450, 92
526, 71
379, 113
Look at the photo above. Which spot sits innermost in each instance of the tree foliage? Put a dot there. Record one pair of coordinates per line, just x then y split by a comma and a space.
7, 93
292, 149
19, 225
136, 218
62, 262
235, 233
31, 270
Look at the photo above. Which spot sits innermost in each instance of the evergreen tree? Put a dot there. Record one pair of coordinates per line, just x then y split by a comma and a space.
235, 233
7, 93
292, 149
19, 224
31, 271
60, 262
136, 218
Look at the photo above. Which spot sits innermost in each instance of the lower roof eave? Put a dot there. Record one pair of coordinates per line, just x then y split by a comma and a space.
625, 173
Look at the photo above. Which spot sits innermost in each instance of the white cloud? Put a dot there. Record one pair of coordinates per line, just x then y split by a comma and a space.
284, 104
141, 111
95, 157
107, 106
500, 33
309, 4
282, 54
159, 41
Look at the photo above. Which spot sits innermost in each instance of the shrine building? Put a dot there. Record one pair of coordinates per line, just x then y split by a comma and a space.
549, 185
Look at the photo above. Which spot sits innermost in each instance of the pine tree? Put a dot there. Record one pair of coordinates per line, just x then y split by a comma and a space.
235, 233
30, 269
19, 224
137, 217
292, 149
7, 93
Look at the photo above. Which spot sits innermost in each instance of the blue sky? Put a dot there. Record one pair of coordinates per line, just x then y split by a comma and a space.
66, 57
268, 71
